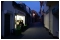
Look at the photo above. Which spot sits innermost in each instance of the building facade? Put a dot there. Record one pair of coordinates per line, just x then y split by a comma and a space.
51, 20
11, 14
35, 16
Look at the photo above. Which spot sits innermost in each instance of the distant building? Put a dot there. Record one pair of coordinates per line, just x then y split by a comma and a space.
35, 16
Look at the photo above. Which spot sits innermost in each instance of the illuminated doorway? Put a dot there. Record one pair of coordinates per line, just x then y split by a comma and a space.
18, 18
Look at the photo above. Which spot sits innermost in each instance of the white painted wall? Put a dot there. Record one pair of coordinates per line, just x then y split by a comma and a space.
54, 24
46, 16
7, 5
46, 20
51, 22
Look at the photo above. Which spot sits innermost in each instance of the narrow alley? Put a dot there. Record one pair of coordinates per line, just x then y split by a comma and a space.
22, 20
36, 31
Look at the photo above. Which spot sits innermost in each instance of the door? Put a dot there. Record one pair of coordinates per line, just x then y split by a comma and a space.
7, 25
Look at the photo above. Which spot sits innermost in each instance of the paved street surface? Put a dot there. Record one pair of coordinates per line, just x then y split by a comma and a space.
36, 31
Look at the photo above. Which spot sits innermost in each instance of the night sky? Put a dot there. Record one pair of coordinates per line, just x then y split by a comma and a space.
34, 5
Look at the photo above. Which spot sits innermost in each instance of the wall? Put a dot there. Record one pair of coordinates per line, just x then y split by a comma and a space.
20, 12
2, 25
46, 16
50, 20
55, 26
46, 20
12, 22
54, 23
7, 5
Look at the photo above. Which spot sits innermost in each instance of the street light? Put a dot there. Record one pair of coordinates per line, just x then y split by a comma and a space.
33, 14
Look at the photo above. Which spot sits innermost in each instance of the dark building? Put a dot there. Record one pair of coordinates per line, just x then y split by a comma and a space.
35, 16
23, 8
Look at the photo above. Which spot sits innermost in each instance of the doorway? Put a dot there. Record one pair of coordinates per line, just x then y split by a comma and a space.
18, 18
7, 25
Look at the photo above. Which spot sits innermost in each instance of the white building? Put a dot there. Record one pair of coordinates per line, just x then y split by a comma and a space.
50, 21
8, 17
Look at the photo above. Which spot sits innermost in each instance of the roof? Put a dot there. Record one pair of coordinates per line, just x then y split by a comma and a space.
18, 6
21, 7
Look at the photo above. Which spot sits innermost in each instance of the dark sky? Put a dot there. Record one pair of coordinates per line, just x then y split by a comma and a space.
34, 5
